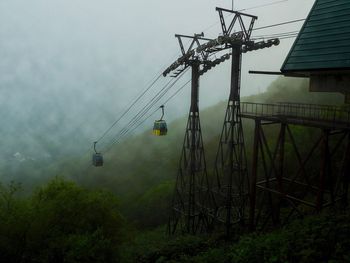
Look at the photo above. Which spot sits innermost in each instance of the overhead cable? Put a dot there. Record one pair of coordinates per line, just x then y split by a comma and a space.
122, 133
130, 107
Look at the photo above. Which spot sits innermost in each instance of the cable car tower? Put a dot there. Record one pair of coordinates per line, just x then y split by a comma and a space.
231, 187
192, 191
196, 204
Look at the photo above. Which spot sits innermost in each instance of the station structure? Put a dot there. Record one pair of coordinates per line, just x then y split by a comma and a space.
283, 180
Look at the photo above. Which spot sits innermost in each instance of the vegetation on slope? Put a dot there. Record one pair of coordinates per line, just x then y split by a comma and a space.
321, 238
64, 222
142, 169
60, 222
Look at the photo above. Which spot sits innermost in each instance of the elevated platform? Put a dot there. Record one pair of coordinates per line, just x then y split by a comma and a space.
312, 115
291, 178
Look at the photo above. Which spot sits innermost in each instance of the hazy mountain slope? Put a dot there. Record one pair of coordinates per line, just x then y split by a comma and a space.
142, 169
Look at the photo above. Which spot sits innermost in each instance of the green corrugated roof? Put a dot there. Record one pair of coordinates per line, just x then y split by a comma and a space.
324, 40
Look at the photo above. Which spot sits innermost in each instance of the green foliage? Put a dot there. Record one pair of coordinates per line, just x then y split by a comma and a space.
61, 222
158, 199
155, 246
320, 238
15, 219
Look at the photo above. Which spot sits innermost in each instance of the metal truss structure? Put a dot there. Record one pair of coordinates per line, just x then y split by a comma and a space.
197, 205
231, 186
188, 209
285, 182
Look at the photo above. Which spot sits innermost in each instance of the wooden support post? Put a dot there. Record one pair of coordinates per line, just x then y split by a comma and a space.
279, 171
346, 172
280, 164
254, 175
323, 170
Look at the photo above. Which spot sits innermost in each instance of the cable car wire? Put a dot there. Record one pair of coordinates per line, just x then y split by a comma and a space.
159, 76
129, 108
156, 110
151, 103
142, 112
245, 9
122, 134
136, 120
164, 103
280, 24
263, 5
277, 35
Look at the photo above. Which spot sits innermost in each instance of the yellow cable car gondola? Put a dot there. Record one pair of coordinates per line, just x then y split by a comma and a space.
160, 128
97, 158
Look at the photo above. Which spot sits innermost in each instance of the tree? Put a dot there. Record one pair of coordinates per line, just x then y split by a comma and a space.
65, 223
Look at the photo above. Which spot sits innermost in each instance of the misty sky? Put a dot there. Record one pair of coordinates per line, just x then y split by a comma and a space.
73, 62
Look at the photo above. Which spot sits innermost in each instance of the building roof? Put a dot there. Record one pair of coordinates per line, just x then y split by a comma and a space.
323, 43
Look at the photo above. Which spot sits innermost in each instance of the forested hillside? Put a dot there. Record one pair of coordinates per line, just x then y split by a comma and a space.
118, 212
143, 168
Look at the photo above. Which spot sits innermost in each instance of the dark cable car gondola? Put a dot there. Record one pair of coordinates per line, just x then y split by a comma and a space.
97, 158
160, 128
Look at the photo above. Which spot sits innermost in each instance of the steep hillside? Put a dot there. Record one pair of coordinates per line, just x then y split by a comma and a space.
142, 169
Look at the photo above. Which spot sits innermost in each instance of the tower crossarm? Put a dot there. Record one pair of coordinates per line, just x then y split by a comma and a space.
188, 54
237, 19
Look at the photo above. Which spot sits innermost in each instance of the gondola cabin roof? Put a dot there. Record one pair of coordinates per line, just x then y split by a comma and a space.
323, 44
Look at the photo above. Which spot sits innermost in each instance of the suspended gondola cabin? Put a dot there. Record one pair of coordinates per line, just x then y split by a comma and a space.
160, 128
97, 158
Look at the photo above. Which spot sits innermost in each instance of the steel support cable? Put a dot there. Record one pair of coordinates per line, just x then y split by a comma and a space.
127, 129
122, 134
164, 103
143, 111
279, 37
280, 24
288, 37
245, 9
282, 36
276, 34
89, 149
263, 5
255, 7
130, 107
158, 75
156, 110
177, 92
149, 87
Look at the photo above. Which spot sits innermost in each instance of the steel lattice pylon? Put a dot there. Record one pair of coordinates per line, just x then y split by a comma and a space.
231, 186
188, 206
197, 204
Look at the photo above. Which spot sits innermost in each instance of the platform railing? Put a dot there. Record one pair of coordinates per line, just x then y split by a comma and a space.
314, 112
